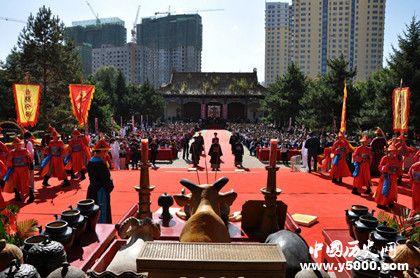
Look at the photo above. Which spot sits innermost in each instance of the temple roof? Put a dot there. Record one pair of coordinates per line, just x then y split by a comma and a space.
214, 84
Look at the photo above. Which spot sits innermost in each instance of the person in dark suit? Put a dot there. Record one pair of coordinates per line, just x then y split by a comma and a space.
185, 146
312, 144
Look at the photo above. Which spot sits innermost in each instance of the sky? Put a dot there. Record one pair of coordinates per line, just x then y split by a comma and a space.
233, 39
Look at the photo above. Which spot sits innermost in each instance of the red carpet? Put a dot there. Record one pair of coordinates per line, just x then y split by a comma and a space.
303, 193
227, 160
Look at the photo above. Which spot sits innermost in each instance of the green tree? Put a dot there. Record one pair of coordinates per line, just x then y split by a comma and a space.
145, 100
376, 101
324, 99
7, 107
282, 101
102, 109
42, 53
121, 102
320, 105
405, 63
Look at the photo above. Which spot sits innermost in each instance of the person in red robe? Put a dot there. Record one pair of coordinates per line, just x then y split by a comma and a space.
378, 146
19, 161
79, 154
403, 152
414, 175
390, 167
3, 149
362, 157
54, 163
339, 168
3, 171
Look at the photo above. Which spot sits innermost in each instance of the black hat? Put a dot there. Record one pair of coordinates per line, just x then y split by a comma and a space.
27, 135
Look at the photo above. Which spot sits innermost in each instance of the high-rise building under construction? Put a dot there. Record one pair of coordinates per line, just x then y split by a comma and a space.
167, 44
91, 34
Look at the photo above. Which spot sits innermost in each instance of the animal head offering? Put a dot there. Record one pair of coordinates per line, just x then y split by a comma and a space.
144, 228
220, 202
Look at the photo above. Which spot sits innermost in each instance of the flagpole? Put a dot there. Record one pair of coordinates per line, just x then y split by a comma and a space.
400, 108
343, 124
81, 101
26, 88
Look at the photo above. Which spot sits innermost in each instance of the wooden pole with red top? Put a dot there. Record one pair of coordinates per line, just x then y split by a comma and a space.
270, 220
144, 189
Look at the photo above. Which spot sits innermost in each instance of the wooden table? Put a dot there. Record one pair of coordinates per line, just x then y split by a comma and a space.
329, 236
263, 154
92, 246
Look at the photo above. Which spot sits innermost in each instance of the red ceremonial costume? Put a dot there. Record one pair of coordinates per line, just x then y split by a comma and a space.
55, 166
363, 156
78, 150
3, 171
3, 152
326, 161
414, 174
340, 149
390, 167
3, 149
19, 159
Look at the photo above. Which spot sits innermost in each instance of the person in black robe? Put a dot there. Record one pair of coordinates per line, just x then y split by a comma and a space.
100, 181
378, 145
200, 139
195, 150
215, 152
154, 149
238, 152
232, 141
215, 138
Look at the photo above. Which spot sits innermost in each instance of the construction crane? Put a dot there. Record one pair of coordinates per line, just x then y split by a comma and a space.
93, 11
11, 19
168, 12
208, 10
188, 12
133, 31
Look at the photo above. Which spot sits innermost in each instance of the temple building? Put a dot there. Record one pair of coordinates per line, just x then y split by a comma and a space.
228, 96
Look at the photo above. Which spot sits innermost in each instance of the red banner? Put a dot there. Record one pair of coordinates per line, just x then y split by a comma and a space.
400, 109
81, 97
27, 99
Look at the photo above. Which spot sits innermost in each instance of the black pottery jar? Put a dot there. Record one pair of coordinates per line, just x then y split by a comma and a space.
17, 270
75, 220
366, 264
67, 271
382, 236
29, 242
353, 215
60, 231
363, 227
47, 256
90, 210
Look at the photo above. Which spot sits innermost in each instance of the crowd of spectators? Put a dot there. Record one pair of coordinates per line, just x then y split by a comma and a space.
126, 142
